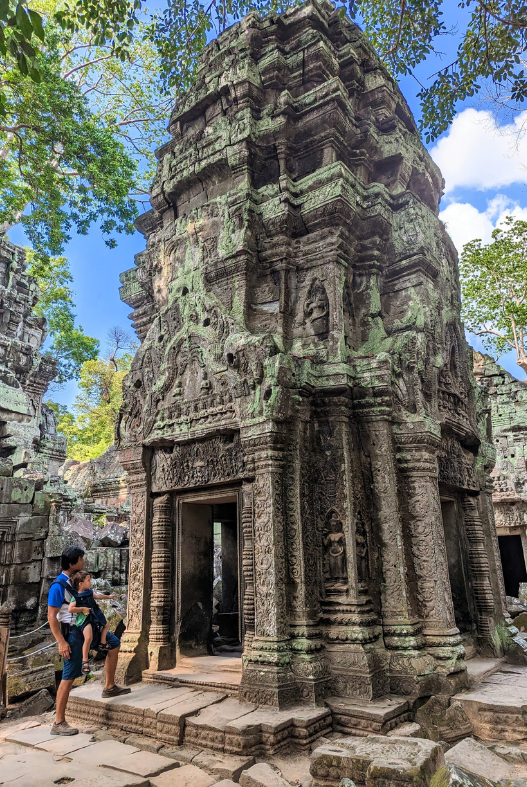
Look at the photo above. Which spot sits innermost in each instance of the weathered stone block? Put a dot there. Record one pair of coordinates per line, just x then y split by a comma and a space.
443, 721
35, 705
376, 760
41, 504
262, 775
25, 573
33, 527
30, 680
16, 490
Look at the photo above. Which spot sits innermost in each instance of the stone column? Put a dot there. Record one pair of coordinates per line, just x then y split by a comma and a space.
133, 656
308, 661
401, 627
355, 652
496, 572
248, 595
479, 572
267, 678
161, 644
417, 458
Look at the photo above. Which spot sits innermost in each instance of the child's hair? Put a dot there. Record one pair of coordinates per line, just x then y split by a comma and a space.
79, 577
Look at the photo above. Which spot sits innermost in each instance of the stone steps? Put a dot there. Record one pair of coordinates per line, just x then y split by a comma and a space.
208, 719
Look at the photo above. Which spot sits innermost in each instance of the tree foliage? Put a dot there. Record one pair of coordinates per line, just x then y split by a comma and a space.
89, 429
494, 289
69, 343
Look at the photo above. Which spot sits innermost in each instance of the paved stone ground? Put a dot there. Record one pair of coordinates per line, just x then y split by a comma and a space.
31, 757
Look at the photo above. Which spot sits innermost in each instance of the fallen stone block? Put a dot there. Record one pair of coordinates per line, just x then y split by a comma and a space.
226, 783
207, 728
510, 753
39, 703
186, 776
224, 766
443, 721
376, 759
262, 775
454, 776
476, 758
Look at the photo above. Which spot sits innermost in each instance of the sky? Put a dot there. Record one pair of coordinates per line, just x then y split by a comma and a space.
485, 171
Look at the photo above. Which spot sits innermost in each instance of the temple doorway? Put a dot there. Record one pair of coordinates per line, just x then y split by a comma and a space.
457, 551
513, 563
209, 587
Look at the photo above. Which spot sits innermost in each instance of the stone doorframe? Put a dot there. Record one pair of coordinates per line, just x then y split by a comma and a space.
206, 496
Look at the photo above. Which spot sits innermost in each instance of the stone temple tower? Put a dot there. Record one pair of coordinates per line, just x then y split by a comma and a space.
303, 386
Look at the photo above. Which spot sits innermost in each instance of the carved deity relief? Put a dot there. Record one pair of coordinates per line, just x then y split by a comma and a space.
361, 549
316, 309
335, 568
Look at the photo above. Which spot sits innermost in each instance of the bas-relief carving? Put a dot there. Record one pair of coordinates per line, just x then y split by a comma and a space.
295, 321
210, 461
335, 563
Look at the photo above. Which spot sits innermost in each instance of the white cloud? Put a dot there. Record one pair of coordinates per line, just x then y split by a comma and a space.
464, 222
477, 153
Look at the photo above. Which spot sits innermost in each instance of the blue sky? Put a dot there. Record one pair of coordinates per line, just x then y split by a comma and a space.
485, 174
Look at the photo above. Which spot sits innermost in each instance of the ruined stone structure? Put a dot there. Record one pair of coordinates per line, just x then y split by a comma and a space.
39, 513
303, 362
508, 403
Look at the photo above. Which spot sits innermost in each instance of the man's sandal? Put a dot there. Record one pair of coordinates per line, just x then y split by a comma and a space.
85, 669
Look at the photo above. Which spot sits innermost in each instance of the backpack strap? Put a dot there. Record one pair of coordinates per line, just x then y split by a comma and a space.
64, 583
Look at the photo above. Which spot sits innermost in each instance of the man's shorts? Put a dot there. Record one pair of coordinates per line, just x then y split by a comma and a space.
73, 666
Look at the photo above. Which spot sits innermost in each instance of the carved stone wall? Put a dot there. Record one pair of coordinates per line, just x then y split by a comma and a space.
298, 308
507, 403
39, 513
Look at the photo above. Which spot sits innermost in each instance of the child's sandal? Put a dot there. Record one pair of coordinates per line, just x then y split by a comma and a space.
104, 647
85, 667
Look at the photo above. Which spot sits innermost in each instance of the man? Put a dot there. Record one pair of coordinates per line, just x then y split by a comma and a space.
70, 639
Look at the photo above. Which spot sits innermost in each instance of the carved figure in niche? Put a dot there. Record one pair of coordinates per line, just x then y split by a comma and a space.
316, 309
361, 549
336, 572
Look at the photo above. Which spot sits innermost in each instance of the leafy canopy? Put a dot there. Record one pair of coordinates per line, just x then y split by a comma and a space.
90, 428
69, 343
494, 289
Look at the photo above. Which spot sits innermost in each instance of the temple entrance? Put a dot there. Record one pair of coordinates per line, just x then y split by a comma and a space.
209, 588
513, 563
457, 551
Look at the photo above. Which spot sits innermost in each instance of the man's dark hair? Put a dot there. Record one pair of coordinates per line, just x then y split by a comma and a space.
70, 556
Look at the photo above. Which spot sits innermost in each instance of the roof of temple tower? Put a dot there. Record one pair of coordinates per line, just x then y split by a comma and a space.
294, 158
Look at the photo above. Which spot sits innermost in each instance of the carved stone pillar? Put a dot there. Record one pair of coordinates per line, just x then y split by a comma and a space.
496, 571
133, 655
5, 623
267, 678
479, 571
355, 652
248, 565
417, 458
308, 661
161, 646
401, 627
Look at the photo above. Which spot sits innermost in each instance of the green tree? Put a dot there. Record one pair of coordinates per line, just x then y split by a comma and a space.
494, 289
69, 343
89, 429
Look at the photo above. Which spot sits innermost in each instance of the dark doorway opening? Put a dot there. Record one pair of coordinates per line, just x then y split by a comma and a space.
457, 549
209, 589
512, 563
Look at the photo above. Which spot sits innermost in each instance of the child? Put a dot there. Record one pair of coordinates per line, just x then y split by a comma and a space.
88, 612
